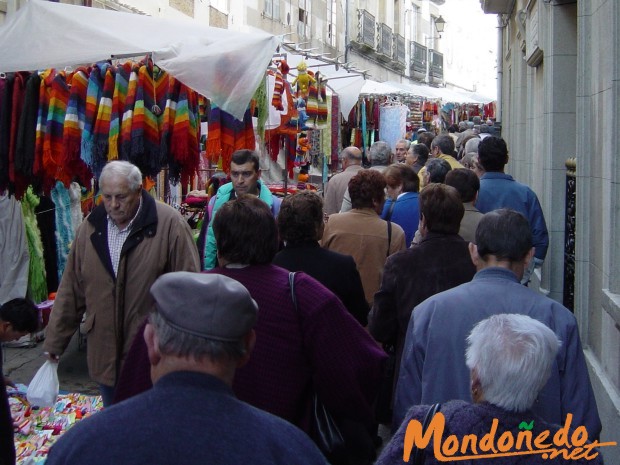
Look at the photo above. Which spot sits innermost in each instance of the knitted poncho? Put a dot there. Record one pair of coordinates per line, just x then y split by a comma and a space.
182, 129
148, 109
37, 285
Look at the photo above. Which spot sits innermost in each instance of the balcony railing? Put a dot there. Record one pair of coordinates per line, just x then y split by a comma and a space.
436, 65
366, 29
418, 58
384, 40
398, 48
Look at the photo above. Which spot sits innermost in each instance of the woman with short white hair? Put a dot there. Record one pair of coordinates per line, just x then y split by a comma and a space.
510, 358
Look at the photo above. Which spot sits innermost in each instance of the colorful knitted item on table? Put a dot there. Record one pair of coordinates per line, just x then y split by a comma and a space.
119, 96
64, 228
93, 96
128, 114
53, 144
37, 283
101, 130
26, 134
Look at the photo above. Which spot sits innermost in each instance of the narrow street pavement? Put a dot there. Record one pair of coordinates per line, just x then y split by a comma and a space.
21, 363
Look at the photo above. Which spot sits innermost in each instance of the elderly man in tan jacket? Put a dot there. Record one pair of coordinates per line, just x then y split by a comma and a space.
123, 246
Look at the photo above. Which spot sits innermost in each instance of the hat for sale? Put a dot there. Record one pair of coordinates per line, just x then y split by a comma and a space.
206, 305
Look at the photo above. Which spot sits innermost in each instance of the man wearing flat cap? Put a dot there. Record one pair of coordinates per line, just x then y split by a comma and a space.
200, 331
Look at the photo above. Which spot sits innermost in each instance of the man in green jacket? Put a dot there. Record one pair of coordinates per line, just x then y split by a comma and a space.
245, 174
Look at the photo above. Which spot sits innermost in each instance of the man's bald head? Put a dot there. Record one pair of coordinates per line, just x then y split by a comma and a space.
351, 156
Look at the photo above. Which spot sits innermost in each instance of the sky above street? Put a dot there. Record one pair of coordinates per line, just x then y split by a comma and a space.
469, 44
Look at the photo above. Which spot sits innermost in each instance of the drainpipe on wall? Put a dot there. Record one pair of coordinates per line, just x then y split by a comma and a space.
346, 31
500, 66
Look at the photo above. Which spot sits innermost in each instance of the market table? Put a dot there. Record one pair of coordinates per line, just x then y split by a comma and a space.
36, 429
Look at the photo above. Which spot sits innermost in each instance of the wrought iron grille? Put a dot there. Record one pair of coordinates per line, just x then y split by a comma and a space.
384, 39
366, 29
399, 49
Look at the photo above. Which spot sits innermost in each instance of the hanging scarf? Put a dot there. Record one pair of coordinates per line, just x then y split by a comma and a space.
53, 146
128, 114
27, 131
45, 212
75, 119
185, 137
64, 228
37, 285
336, 132
6, 86
214, 136
260, 97
93, 97
20, 183
322, 111
76, 114
119, 96
101, 129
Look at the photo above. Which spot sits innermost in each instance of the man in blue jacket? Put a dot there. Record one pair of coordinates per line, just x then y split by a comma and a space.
433, 366
200, 332
245, 174
500, 190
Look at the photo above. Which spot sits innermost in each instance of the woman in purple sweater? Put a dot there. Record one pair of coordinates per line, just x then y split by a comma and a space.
317, 346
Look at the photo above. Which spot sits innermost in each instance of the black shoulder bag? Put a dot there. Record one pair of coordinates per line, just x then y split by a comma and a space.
324, 430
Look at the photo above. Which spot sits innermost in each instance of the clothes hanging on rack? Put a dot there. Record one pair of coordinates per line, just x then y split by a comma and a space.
37, 285
13, 250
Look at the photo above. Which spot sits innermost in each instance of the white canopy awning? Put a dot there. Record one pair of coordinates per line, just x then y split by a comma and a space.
224, 65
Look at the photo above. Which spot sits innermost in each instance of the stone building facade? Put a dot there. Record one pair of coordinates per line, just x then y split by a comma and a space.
559, 98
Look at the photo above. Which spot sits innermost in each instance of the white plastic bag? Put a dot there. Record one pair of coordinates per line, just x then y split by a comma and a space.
43, 389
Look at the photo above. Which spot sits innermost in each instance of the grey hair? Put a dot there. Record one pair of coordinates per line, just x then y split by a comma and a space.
125, 169
406, 142
512, 355
178, 343
472, 145
380, 153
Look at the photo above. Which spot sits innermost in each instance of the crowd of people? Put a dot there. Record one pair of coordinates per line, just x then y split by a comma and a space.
405, 286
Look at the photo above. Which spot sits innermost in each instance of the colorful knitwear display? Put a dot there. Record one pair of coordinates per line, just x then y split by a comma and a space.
38, 429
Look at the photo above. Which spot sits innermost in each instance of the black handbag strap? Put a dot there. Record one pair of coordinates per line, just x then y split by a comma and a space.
389, 226
416, 453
